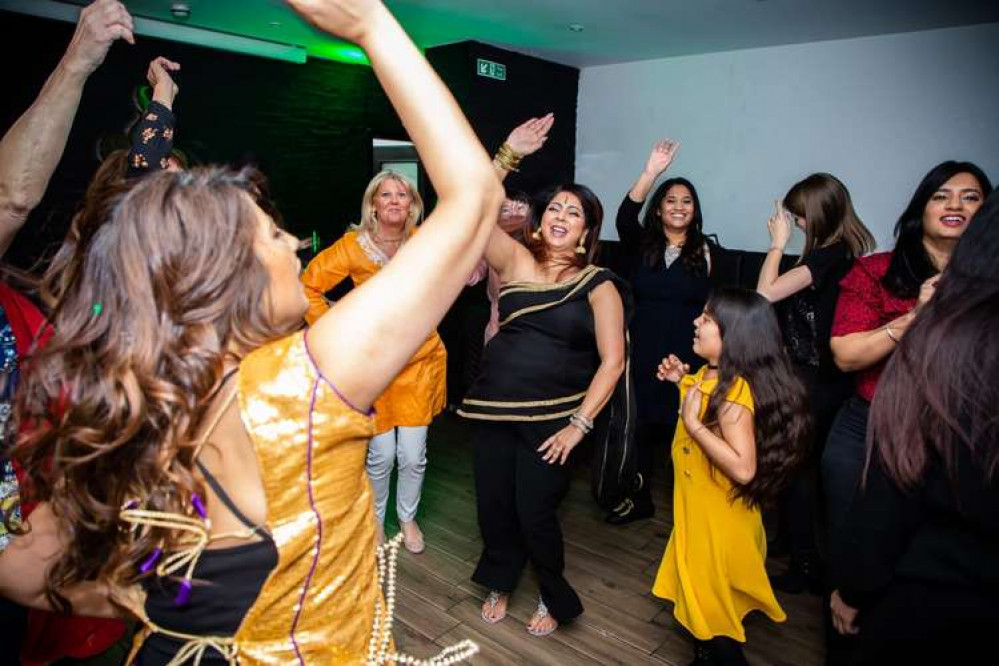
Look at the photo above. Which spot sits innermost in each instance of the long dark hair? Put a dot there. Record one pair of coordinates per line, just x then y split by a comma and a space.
753, 349
939, 392
910, 264
654, 238
118, 393
825, 204
593, 214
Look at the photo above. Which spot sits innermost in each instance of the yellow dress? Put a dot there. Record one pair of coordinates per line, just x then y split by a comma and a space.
419, 391
713, 568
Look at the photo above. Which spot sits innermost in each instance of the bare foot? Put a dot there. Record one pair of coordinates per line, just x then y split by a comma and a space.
494, 607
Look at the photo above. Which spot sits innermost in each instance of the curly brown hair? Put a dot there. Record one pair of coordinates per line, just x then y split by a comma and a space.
167, 290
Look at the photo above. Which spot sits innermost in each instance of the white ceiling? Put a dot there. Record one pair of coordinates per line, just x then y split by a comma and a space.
614, 30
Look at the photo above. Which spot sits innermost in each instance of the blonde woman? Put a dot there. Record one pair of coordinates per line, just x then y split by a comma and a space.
390, 211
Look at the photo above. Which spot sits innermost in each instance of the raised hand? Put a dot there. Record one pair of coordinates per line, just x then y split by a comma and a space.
350, 19
100, 24
529, 136
558, 447
671, 369
165, 89
661, 157
779, 226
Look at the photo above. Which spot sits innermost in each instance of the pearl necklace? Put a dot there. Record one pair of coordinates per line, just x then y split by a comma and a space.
381, 630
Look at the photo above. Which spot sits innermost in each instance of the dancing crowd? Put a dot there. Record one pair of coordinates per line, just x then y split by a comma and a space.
201, 444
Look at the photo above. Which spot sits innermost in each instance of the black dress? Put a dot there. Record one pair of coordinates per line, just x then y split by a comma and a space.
667, 301
534, 375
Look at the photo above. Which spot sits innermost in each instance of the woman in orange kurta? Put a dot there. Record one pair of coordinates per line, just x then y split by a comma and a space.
389, 212
200, 463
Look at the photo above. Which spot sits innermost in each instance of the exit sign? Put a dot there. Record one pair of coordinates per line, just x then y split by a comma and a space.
491, 70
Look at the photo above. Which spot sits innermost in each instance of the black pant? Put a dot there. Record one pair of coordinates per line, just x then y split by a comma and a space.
842, 466
517, 495
800, 503
652, 442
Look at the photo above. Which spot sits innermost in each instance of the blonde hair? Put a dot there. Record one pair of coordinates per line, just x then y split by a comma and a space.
369, 222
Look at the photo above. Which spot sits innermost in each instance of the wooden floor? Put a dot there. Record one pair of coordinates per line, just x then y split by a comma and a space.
612, 569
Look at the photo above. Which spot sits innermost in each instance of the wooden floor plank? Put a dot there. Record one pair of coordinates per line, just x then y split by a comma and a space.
611, 567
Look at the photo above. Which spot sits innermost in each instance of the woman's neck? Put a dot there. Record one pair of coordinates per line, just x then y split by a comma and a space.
675, 238
939, 250
389, 234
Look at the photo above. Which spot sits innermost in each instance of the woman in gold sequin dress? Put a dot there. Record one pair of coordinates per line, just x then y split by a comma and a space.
208, 473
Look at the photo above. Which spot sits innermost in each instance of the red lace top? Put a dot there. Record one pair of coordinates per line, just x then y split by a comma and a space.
864, 305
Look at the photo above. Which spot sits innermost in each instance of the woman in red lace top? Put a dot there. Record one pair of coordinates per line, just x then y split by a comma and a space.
878, 300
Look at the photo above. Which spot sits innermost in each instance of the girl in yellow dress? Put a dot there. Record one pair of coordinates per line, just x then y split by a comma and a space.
742, 431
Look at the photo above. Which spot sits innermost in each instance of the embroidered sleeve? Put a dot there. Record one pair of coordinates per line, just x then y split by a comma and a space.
152, 141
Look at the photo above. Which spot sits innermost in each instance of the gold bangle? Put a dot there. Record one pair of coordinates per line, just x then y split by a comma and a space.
507, 158
890, 334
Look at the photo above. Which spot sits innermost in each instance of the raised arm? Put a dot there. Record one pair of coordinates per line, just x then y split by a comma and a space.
368, 336
152, 137
773, 286
32, 147
629, 230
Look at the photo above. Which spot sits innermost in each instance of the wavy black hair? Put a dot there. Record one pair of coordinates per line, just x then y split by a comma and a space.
753, 349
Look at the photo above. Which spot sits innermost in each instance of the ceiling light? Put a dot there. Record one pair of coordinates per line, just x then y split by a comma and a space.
575, 27
170, 31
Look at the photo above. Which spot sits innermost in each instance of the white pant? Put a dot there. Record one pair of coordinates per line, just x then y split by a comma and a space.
409, 444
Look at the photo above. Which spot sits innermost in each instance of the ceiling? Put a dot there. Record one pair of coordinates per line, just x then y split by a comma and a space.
613, 30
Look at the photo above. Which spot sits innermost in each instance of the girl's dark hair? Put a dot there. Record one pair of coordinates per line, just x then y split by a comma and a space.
825, 204
910, 264
654, 238
939, 393
593, 213
117, 394
753, 349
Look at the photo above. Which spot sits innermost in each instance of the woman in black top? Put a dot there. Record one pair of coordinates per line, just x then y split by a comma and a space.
921, 542
819, 205
671, 260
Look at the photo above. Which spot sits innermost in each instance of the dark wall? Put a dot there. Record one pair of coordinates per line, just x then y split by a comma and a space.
533, 87
308, 126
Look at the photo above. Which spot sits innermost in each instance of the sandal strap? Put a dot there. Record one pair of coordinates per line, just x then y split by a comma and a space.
542, 609
493, 599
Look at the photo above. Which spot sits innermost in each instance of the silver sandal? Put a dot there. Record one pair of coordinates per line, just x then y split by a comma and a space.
542, 613
493, 599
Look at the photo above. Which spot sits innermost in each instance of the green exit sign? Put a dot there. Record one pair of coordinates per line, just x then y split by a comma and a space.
490, 69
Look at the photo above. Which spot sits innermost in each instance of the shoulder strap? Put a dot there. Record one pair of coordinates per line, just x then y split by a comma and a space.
224, 496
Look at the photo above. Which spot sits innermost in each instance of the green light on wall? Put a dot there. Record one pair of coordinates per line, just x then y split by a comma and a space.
346, 53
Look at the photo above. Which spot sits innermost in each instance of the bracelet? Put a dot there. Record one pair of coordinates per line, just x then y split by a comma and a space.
779, 249
890, 334
507, 158
581, 422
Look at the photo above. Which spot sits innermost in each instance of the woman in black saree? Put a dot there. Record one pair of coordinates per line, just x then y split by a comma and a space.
559, 358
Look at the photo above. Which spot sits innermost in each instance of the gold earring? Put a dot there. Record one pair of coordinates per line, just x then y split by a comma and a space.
581, 248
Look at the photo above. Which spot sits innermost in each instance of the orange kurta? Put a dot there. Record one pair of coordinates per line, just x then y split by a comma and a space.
419, 391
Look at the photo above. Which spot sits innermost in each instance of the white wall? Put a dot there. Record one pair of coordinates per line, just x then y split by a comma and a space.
876, 112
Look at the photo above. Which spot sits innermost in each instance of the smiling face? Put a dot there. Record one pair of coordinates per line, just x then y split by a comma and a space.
677, 209
563, 222
707, 338
276, 250
391, 203
951, 207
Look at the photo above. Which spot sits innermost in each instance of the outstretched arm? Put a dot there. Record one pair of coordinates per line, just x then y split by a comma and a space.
32, 147
368, 336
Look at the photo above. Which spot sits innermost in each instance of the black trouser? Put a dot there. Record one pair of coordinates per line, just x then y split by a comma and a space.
842, 467
800, 505
651, 441
517, 494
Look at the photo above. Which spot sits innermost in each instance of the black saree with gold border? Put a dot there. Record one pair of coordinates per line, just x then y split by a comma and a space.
539, 365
